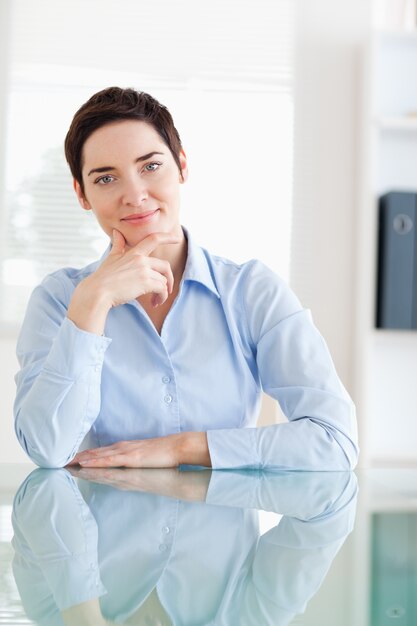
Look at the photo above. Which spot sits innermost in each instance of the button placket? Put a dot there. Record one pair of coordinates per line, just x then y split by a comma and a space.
168, 398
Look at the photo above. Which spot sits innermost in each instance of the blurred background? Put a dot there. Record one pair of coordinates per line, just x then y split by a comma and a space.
296, 117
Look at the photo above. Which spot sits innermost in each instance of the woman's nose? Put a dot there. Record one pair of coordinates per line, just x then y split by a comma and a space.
134, 192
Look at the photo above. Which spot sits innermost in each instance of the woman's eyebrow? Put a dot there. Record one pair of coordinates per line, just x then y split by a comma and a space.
148, 156
109, 168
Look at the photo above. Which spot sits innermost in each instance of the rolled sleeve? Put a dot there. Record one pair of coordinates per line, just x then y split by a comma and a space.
75, 350
61, 547
58, 385
295, 368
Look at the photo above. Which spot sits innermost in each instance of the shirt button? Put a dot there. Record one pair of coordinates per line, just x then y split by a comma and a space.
168, 399
165, 530
166, 379
97, 368
162, 547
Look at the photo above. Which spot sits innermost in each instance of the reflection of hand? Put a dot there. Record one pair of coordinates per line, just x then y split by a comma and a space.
123, 275
170, 451
85, 614
189, 485
150, 613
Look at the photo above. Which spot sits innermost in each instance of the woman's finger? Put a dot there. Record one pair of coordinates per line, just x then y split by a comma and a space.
115, 447
157, 452
111, 460
150, 266
118, 243
164, 268
93, 452
159, 288
152, 241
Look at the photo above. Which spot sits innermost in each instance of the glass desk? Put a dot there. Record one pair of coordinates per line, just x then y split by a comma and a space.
195, 548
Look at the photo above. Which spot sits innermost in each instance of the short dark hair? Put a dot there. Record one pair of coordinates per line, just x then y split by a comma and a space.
115, 104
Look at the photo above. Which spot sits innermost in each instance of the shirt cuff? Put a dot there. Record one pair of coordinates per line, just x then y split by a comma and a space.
234, 488
233, 448
79, 580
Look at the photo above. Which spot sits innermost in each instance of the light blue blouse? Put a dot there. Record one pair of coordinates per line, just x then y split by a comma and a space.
233, 331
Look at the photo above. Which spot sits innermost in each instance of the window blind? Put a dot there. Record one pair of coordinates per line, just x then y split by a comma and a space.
211, 63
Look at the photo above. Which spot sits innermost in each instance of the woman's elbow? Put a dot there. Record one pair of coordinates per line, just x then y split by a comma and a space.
344, 453
43, 457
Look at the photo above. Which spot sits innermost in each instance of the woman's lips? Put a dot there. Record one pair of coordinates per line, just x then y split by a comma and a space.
140, 218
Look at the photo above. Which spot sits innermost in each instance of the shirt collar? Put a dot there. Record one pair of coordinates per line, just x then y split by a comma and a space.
196, 267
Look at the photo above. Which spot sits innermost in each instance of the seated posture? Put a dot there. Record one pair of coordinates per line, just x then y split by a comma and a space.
157, 354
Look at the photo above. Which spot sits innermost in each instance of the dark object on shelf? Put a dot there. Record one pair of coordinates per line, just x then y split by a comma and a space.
397, 261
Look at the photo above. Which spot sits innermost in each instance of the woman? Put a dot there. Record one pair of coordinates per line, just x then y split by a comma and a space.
156, 355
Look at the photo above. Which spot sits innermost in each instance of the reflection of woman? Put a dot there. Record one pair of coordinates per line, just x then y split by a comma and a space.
156, 355
132, 556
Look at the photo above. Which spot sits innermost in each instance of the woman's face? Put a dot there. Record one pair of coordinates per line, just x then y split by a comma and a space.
131, 181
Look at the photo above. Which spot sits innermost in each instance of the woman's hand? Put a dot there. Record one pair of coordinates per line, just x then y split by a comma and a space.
170, 451
123, 276
150, 613
128, 274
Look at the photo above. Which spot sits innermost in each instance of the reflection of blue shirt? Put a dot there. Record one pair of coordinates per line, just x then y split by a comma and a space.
119, 545
232, 331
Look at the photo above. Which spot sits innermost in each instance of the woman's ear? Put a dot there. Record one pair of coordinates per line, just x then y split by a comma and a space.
184, 167
80, 195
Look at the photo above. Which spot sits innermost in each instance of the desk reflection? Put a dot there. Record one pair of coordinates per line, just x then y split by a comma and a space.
165, 547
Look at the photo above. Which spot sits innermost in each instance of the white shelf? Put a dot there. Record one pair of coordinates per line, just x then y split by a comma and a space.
396, 123
396, 334
404, 33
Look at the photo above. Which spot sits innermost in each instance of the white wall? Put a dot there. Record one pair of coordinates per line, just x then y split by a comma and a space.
10, 450
330, 37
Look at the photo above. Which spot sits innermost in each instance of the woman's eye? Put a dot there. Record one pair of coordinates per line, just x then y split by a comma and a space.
104, 180
152, 167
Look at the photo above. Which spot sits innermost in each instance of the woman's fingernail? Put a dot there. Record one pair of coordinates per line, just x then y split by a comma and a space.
157, 300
